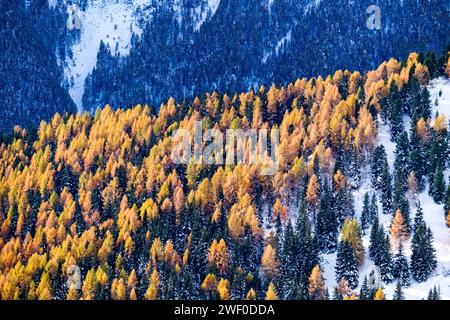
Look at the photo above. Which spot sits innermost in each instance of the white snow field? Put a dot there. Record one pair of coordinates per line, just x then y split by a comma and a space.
433, 215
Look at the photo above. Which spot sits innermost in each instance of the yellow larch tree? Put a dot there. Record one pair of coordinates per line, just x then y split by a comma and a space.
316, 288
270, 262
399, 229
271, 293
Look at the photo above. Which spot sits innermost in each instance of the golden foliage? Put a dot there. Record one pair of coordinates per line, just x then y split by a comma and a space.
399, 229
379, 295
218, 256
271, 293
270, 262
316, 288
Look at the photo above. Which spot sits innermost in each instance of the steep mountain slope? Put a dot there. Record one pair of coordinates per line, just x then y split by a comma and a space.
30, 78
251, 42
99, 207
102, 21
182, 48
114, 23
433, 215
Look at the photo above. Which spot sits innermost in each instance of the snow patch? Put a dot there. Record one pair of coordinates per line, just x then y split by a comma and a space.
200, 14
440, 96
283, 42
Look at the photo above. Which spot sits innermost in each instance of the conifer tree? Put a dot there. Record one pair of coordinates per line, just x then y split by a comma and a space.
447, 200
239, 285
355, 171
438, 186
423, 259
385, 263
399, 229
398, 293
366, 218
434, 294
327, 224
346, 264
307, 252
288, 261
343, 198
363, 292
376, 240
447, 220
379, 295
401, 164
386, 189
400, 268
417, 156
316, 288
418, 219
378, 159
401, 202
394, 111
373, 207
369, 287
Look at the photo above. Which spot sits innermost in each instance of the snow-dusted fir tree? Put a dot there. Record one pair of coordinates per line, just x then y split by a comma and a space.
346, 264
423, 259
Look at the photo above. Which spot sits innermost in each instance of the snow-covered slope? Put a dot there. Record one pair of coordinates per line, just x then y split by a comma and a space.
201, 13
433, 215
440, 96
107, 21
114, 22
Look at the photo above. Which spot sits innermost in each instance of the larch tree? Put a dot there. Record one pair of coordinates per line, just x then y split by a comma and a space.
399, 229
312, 192
270, 262
379, 295
316, 287
251, 294
342, 291
44, 288
223, 289
271, 293
218, 256
352, 234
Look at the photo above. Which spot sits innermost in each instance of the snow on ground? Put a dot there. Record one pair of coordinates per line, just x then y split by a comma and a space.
201, 14
433, 215
283, 42
384, 138
112, 22
436, 86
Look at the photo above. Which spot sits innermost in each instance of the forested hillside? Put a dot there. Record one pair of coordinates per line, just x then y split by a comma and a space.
249, 43
60, 55
31, 82
92, 207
